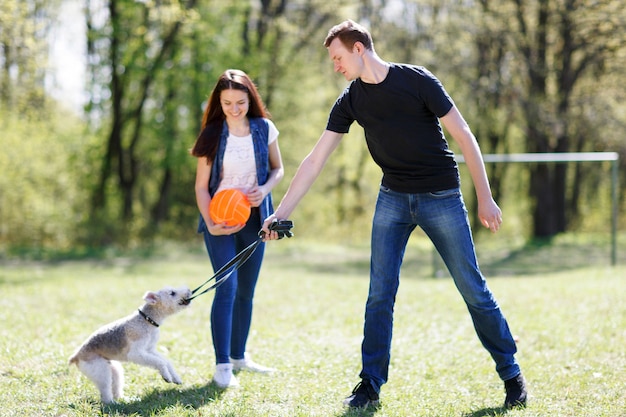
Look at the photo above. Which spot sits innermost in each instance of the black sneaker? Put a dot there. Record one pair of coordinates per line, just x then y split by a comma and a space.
516, 393
363, 396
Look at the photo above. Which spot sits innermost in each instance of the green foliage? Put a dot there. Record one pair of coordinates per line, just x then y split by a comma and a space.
43, 165
569, 319
148, 191
24, 26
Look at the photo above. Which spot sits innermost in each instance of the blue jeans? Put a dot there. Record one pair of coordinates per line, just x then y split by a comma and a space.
231, 313
443, 217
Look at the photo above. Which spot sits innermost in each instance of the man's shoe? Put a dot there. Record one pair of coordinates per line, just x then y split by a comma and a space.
363, 396
516, 393
247, 364
224, 377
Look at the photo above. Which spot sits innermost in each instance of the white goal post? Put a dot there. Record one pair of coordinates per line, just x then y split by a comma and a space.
569, 157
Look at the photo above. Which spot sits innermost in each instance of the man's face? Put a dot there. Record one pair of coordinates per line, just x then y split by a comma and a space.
347, 62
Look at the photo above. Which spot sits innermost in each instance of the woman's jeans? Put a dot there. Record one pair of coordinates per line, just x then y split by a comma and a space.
443, 217
231, 313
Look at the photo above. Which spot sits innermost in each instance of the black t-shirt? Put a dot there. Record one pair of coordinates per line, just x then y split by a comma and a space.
400, 116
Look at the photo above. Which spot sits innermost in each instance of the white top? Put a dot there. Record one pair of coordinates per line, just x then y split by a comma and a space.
239, 166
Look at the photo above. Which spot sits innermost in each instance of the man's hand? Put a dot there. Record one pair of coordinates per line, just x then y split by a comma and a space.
490, 215
274, 229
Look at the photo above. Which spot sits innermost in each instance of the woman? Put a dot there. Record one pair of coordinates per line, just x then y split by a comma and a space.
236, 148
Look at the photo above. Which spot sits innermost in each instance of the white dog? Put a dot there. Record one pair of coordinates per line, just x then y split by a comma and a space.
131, 339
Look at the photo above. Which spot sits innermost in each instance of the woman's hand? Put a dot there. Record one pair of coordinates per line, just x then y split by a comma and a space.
255, 196
222, 229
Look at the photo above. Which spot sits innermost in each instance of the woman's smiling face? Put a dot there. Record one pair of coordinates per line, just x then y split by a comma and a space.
235, 104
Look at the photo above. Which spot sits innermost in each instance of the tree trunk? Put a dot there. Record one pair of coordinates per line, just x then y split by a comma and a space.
127, 113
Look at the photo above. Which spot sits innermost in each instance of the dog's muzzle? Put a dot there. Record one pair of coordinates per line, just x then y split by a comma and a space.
185, 301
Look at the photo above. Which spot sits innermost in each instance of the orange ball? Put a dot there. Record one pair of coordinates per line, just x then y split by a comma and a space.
229, 206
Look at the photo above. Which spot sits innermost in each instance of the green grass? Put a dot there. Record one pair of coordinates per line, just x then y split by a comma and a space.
569, 316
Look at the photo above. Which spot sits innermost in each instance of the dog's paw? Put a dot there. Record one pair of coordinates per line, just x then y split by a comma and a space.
176, 381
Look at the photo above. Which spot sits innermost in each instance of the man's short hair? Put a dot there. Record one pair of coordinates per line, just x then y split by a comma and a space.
350, 32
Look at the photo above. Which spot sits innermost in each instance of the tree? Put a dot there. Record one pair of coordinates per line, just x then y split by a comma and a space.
559, 43
24, 28
40, 194
152, 64
151, 67
133, 65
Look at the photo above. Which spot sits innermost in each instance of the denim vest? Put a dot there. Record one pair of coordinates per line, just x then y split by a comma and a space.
259, 129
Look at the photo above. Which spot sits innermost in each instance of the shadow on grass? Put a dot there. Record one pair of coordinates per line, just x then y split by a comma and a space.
150, 404
359, 412
534, 258
371, 411
543, 256
487, 412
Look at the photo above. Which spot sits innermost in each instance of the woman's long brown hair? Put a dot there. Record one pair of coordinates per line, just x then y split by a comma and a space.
213, 118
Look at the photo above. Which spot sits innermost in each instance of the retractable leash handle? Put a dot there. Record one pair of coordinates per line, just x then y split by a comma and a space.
282, 227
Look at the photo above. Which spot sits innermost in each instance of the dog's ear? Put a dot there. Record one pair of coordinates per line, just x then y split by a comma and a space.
151, 297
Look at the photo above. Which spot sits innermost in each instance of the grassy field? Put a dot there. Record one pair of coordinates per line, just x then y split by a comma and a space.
563, 302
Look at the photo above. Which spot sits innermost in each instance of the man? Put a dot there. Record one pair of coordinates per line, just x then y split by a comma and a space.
400, 106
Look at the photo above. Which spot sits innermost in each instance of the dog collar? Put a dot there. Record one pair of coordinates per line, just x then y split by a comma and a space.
148, 318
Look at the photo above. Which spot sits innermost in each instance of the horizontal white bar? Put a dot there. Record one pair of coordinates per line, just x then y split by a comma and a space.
547, 157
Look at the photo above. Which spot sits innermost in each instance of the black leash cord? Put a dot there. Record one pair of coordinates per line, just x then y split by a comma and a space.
227, 270
282, 227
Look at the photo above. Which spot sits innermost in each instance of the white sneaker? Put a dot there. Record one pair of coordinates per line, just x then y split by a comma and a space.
224, 377
247, 364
